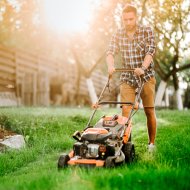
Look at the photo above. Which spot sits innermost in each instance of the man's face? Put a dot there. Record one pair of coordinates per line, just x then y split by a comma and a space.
129, 20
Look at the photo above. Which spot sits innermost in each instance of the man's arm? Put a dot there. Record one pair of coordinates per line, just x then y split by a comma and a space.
150, 48
113, 49
110, 63
149, 53
147, 61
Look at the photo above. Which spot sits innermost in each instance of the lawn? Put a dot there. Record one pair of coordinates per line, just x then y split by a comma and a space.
48, 131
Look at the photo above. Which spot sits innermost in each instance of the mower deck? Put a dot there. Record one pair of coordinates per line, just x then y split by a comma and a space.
88, 162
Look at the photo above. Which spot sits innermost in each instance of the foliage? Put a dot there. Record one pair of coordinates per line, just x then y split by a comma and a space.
48, 133
22, 25
170, 22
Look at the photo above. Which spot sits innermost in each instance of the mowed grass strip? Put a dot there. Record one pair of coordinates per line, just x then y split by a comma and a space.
48, 131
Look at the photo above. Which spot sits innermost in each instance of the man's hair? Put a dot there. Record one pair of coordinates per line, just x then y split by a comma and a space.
129, 8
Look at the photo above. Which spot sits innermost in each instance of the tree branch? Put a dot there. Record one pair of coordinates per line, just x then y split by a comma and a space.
95, 65
159, 70
172, 72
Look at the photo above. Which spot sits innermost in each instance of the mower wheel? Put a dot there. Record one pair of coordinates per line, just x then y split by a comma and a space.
129, 151
62, 162
109, 163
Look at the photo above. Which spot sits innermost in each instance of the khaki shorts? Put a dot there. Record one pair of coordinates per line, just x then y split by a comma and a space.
147, 94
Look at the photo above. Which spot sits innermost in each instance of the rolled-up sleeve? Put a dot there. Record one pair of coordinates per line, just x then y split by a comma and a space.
113, 47
150, 42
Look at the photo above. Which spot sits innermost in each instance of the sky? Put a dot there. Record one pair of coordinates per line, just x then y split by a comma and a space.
69, 15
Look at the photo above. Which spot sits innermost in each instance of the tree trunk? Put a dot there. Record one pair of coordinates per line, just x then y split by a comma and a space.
179, 100
77, 91
91, 90
167, 103
160, 93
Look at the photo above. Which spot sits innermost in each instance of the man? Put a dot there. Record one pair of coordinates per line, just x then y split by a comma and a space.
137, 47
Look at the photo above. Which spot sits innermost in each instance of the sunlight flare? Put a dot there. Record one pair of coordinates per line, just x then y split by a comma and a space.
68, 16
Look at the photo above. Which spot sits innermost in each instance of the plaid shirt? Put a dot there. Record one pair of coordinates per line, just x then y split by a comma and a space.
133, 52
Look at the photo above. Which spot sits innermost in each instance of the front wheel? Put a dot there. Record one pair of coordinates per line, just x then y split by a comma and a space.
63, 161
109, 163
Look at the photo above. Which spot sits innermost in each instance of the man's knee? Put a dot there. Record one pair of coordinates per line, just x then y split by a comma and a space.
149, 111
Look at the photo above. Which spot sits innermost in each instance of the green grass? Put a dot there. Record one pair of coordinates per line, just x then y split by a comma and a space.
48, 131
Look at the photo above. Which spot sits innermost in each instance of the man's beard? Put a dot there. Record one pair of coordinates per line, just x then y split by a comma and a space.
130, 28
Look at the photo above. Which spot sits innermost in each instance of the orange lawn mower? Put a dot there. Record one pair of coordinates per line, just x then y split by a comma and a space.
108, 142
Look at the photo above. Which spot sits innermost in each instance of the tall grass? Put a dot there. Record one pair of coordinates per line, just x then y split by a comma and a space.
48, 131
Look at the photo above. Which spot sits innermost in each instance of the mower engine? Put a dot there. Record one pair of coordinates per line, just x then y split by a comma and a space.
92, 151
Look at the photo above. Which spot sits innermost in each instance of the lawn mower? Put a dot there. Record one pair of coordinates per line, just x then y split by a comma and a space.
108, 142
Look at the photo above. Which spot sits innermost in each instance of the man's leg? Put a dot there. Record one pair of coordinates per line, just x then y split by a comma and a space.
126, 110
148, 95
151, 123
127, 95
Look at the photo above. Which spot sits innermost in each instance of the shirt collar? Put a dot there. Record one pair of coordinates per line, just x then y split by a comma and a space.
138, 29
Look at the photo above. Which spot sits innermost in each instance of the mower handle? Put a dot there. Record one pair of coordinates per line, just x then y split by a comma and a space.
122, 70
101, 94
114, 102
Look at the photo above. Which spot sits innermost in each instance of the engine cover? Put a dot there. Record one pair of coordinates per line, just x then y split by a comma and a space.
93, 151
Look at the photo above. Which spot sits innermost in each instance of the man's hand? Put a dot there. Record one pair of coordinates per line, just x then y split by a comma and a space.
139, 71
95, 106
111, 70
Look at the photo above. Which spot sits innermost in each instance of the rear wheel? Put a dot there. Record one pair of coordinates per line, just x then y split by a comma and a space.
109, 163
129, 151
63, 161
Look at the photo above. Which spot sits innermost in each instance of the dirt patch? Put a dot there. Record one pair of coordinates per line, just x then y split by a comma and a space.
5, 133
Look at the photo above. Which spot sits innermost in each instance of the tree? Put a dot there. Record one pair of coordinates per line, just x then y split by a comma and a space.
171, 24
